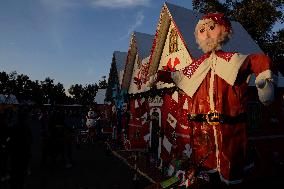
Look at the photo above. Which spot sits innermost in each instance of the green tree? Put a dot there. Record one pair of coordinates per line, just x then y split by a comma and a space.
103, 83
4, 80
59, 94
36, 92
47, 87
22, 87
76, 92
90, 92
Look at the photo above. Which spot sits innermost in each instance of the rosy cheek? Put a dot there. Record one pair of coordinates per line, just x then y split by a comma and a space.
216, 32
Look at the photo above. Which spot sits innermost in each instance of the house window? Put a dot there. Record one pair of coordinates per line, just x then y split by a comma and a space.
173, 45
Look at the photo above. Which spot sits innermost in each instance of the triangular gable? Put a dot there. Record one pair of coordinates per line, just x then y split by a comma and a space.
177, 59
174, 55
185, 21
139, 48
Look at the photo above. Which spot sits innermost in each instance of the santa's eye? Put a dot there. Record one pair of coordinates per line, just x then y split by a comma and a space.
202, 30
212, 27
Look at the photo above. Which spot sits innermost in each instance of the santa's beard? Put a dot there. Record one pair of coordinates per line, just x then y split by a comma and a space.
210, 44
213, 44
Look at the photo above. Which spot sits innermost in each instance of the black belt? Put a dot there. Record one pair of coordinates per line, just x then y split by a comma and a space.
218, 118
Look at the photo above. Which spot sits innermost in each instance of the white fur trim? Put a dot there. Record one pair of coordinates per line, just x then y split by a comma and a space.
185, 105
217, 149
175, 96
190, 85
229, 70
226, 70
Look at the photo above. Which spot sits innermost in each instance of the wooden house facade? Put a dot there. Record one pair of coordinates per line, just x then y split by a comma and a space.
158, 111
135, 120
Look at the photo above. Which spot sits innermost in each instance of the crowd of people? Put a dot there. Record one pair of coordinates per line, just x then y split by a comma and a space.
57, 126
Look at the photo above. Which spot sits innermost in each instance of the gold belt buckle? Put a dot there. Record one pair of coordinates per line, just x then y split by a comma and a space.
213, 118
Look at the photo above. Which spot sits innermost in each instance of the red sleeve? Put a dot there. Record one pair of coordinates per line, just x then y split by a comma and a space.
258, 63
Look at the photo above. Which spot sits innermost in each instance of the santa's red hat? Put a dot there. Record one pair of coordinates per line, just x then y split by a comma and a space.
220, 19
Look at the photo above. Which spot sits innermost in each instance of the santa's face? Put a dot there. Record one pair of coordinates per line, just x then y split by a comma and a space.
209, 30
209, 35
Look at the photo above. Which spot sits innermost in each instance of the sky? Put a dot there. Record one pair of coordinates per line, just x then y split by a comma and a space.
71, 41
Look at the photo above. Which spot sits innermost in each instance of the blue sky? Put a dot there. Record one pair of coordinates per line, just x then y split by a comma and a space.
71, 41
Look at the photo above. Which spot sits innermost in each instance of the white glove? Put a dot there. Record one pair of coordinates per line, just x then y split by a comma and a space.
265, 89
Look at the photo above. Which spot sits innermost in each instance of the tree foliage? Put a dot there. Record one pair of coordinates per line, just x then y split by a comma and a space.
46, 91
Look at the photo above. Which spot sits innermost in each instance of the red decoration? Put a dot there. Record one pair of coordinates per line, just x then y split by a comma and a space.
189, 70
138, 82
170, 67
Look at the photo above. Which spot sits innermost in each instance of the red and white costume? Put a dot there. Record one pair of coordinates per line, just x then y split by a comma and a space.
218, 81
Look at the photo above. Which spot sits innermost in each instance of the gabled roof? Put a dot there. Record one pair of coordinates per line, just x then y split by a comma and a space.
115, 74
143, 43
140, 45
185, 21
120, 58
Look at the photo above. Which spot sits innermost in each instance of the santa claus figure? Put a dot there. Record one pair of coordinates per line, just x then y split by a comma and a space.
92, 119
216, 85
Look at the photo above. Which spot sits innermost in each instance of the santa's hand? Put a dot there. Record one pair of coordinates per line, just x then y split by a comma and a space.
265, 89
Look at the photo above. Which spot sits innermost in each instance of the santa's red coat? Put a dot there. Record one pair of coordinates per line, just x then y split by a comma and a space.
222, 148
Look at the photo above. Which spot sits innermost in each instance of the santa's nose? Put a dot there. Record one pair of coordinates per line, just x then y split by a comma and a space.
206, 35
